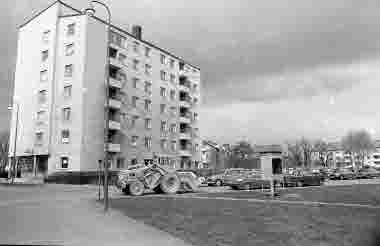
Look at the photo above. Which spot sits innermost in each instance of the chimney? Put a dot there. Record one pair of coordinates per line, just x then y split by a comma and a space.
137, 31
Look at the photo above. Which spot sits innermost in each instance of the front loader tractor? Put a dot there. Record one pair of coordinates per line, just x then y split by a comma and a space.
136, 179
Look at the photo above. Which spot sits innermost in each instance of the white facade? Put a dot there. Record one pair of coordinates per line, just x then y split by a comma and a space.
61, 91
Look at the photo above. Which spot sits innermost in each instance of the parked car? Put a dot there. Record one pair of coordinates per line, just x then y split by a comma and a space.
222, 178
248, 180
344, 173
303, 179
368, 173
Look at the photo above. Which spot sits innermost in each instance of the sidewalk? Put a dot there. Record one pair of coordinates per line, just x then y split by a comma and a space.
73, 218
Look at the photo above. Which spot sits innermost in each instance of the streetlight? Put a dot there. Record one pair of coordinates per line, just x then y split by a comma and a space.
90, 11
13, 168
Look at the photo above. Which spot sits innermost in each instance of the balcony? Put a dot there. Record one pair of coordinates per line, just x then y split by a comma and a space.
113, 147
184, 88
184, 152
185, 103
185, 135
114, 103
113, 82
184, 119
115, 62
114, 125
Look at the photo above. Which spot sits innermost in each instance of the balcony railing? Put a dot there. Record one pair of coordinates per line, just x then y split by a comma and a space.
184, 152
114, 103
114, 125
113, 147
114, 82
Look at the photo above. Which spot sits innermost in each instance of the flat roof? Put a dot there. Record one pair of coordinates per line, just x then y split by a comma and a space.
112, 26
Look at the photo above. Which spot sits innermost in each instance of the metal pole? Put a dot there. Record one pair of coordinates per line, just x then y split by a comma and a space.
99, 178
106, 201
14, 146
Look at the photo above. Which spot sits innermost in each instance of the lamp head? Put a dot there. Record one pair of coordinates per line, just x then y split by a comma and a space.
90, 11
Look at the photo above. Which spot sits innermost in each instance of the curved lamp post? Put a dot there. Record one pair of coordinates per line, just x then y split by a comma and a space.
90, 11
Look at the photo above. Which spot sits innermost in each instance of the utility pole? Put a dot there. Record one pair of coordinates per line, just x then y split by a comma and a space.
13, 168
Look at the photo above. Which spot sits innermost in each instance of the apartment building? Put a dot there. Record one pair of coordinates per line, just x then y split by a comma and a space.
153, 97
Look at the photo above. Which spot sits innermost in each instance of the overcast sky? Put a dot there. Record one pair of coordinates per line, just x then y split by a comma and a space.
271, 70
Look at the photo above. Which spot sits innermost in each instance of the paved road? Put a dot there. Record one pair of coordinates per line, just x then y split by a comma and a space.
69, 215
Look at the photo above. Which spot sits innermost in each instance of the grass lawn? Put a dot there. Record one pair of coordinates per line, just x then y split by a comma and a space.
224, 222
355, 194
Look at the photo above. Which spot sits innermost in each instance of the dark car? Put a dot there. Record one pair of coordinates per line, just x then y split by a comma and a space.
248, 180
344, 173
368, 173
225, 177
303, 179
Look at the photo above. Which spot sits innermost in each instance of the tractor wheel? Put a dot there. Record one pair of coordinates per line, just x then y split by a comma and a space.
158, 189
126, 190
218, 183
136, 188
170, 183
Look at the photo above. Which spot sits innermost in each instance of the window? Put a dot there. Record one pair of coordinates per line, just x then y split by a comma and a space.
171, 63
66, 114
134, 101
147, 51
122, 59
136, 46
163, 92
164, 144
134, 121
67, 91
173, 110
148, 123
134, 161
39, 138
45, 36
174, 145
69, 49
172, 95
71, 29
42, 95
163, 75
118, 40
135, 64
134, 140
69, 70
65, 136
41, 115
147, 87
43, 75
172, 78
162, 108
195, 87
173, 128
148, 105
148, 69
195, 101
162, 59
195, 117
148, 142
163, 126
112, 52
120, 162
64, 162
196, 147
135, 82
44, 55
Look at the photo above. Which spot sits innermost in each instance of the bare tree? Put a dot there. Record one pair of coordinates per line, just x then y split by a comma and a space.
294, 155
321, 148
242, 150
359, 144
307, 150
4, 146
